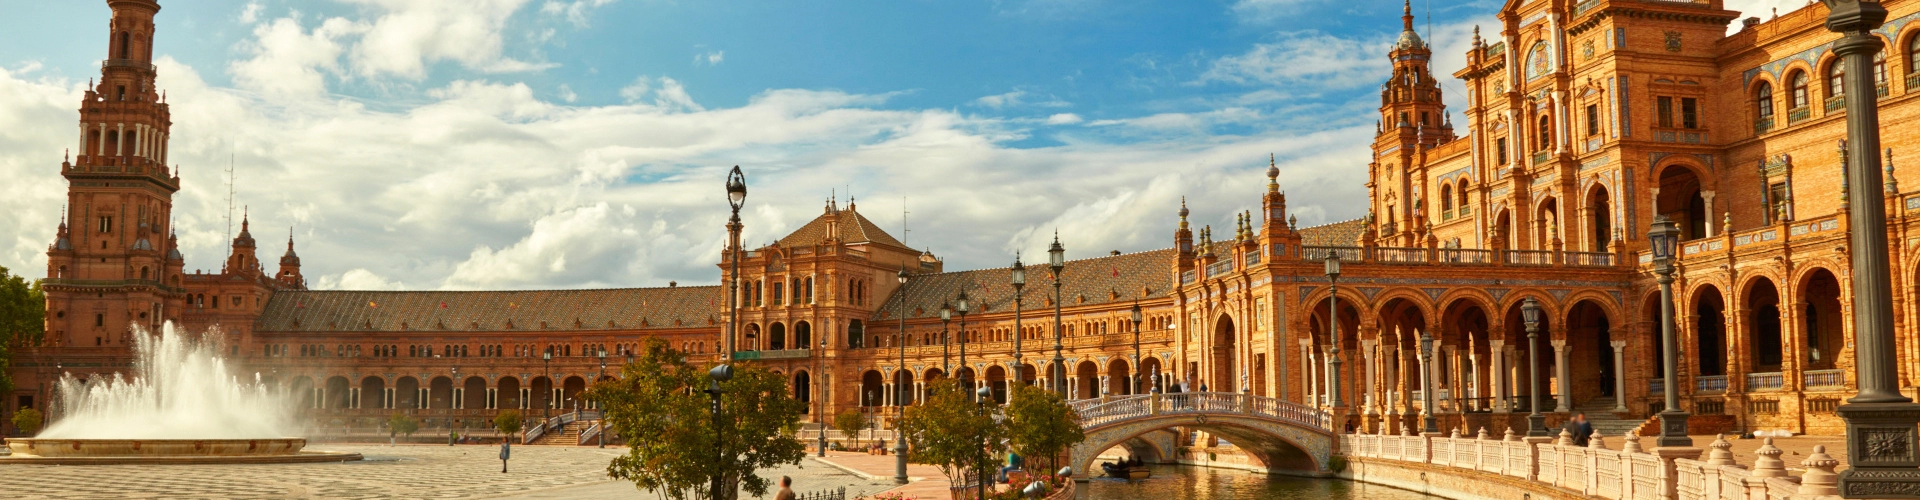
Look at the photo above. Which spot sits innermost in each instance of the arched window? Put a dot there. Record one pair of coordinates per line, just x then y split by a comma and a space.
1880, 72
1797, 90
1446, 198
1763, 100
1463, 195
126, 41
1544, 138
1913, 55
1836, 78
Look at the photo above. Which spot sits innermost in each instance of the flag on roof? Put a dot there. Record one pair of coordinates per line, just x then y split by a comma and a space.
1116, 272
372, 305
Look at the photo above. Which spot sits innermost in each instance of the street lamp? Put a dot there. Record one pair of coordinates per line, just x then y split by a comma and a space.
900, 391
1057, 260
985, 396
1429, 424
1136, 347
600, 440
960, 305
1661, 240
547, 359
450, 404
1878, 416
1536, 422
1333, 324
736, 196
946, 314
820, 392
715, 376
1019, 282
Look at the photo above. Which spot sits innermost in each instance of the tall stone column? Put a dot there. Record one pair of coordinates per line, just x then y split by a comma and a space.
1562, 380
1309, 377
1473, 380
1707, 196
1619, 376
1390, 366
1497, 373
1366, 351
1451, 377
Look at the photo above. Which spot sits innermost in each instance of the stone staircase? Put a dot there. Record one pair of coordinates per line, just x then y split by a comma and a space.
568, 435
1600, 413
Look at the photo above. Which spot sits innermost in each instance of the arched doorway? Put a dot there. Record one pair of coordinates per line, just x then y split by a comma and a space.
1590, 356
1465, 326
406, 393
1546, 224
997, 379
1151, 378
870, 383
1822, 319
777, 337
570, 392
1224, 374
1086, 377
1763, 326
903, 387
541, 395
856, 334
1680, 200
473, 393
1526, 354
440, 393
753, 337
1119, 378
509, 393
1710, 332
302, 391
337, 393
803, 391
1599, 220
802, 335
374, 388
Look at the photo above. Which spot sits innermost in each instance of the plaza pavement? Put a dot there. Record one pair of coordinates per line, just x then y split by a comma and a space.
405, 471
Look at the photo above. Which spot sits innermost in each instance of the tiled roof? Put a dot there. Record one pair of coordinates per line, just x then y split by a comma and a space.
492, 311
860, 230
1338, 234
991, 290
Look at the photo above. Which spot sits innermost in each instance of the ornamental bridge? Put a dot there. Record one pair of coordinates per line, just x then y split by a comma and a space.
1288, 437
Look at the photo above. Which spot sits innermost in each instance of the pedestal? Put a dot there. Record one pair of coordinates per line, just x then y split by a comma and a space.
1881, 444
1668, 488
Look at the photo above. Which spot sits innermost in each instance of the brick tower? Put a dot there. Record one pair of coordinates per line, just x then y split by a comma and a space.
1413, 120
113, 265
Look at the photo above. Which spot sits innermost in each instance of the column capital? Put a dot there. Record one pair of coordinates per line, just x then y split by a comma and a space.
1559, 343
1618, 345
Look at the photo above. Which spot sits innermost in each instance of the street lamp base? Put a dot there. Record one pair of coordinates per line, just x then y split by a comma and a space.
1881, 439
1673, 430
1537, 426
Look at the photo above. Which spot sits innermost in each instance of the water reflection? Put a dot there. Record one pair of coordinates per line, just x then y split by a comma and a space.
1175, 482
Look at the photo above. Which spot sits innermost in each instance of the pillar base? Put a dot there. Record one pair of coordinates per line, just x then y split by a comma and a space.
1881, 444
1673, 430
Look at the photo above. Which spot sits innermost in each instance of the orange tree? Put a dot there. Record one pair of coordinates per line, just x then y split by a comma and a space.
952, 432
1041, 426
673, 448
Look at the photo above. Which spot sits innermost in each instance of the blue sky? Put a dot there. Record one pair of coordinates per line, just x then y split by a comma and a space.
580, 143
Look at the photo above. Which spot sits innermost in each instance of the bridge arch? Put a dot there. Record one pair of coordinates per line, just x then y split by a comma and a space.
1284, 436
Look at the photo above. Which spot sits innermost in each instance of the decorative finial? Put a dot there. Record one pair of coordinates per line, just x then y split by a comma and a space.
1893, 186
1293, 221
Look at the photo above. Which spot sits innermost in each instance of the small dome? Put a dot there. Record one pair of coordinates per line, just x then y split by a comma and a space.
1409, 40
142, 244
173, 255
63, 243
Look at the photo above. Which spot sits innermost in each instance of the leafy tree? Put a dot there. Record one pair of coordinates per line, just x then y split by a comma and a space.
508, 422
1040, 425
952, 432
27, 420
663, 397
403, 425
23, 319
850, 423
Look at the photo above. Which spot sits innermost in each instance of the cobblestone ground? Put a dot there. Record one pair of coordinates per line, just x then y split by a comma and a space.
536, 472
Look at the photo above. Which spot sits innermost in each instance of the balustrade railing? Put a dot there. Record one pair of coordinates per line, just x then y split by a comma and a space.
1770, 381
1710, 383
1824, 378
1529, 257
1589, 259
1350, 254
1400, 255
1465, 256
1102, 411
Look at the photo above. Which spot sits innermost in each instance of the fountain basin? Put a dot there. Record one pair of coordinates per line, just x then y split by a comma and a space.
124, 451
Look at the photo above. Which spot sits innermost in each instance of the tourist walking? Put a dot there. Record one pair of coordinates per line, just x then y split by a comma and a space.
1580, 429
786, 489
506, 450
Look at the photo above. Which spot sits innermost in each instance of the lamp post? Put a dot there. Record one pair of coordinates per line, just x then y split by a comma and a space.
820, 393
450, 404
1878, 416
1019, 283
546, 358
985, 396
960, 305
1536, 422
600, 440
1057, 260
1333, 324
1136, 348
900, 391
946, 314
1429, 423
1661, 240
715, 376
736, 196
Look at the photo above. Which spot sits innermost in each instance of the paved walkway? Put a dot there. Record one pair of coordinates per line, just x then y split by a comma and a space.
405, 471
923, 481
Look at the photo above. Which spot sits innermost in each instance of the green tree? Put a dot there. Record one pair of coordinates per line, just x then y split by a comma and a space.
952, 432
850, 423
1041, 426
661, 396
23, 320
27, 420
507, 422
402, 424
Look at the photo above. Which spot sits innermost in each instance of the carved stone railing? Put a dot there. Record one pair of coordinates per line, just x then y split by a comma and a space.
1106, 411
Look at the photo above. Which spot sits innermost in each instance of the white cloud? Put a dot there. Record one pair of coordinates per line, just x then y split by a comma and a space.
575, 12
251, 13
406, 35
1019, 98
479, 184
712, 58
1309, 58
566, 93
1266, 10
288, 60
1763, 9
1064, 119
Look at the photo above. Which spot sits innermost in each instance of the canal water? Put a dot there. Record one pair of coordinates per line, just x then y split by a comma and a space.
1170, 482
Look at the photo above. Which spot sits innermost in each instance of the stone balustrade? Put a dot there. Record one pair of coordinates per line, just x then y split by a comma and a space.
1596, 470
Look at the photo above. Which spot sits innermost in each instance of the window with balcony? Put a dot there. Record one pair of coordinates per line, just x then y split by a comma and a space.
1500, 151
1763, 108
1663, 111
1689, 113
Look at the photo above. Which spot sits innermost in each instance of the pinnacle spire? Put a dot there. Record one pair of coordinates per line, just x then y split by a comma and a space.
1406, 14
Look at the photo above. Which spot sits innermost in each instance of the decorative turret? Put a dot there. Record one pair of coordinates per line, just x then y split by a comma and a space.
1183, 237
242, 260
290, 266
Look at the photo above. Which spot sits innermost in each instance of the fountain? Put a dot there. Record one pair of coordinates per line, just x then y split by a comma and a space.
181, 404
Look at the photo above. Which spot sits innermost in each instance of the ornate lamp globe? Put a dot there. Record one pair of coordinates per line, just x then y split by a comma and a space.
736, 187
